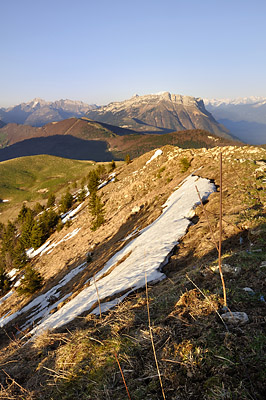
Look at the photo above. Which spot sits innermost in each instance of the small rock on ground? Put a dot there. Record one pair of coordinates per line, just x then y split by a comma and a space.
235, 318
227, 269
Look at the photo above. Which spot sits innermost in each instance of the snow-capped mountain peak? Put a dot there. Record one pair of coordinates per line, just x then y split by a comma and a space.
38, 112
245, 117
236, 101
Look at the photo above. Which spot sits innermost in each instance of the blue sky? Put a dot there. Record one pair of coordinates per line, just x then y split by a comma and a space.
108, 50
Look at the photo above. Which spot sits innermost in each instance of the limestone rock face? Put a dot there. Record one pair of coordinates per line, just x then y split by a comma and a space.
162, 112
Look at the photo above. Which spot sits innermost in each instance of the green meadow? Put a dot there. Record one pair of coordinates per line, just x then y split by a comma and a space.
32, 178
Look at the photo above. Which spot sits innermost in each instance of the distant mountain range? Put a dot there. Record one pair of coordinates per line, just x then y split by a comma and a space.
245, 117
39, 112
159, 113
153, 113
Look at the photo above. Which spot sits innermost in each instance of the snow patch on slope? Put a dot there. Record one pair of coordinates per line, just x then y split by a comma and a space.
146, 254
155, 155
41, 305
48, 248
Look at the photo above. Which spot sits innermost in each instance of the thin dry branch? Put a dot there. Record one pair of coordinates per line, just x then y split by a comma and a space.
123, 377
151, 336
221, 229
207, 218
16, 383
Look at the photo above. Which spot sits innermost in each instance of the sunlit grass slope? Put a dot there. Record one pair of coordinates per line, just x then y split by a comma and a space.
33, 178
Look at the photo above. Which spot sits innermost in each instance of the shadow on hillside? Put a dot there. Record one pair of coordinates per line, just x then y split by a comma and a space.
154, 129
34, 357
65, 146
118, 130
237, 243
38, 357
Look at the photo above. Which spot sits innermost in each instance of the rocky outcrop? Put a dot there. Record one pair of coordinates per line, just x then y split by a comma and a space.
161, 113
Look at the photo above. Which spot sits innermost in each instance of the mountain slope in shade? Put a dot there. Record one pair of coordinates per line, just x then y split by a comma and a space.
244, 117
81, 128
162, 113
39, 112
84, 139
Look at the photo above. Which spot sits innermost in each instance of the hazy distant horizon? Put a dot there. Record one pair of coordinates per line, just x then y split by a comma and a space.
99, 52
116, 100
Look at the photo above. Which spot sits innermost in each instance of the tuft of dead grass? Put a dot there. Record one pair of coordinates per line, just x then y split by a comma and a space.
193, 304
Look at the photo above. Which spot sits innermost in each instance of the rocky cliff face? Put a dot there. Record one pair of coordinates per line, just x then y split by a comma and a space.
39, 112
162, 112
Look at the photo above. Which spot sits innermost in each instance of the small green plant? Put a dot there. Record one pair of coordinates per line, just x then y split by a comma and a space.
89, 258
68, 223
59, 225
12, 250
184, 164
24, 211
38, 208
112, 166
82, 195
4, 281
83, 182
96, 208
50, 200
93, 181
101, 171
127, 159
37, 235
160, 171
66, 202
31, 282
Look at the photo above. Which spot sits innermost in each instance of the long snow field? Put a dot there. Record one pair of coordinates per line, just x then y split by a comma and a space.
145, 254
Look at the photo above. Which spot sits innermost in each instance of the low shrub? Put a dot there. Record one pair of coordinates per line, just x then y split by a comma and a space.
31, 282
184, 164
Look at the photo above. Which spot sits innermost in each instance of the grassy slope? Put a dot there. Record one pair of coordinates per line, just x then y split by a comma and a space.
33, 178
199, 358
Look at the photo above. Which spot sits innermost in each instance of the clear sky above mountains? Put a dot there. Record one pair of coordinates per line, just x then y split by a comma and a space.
102, 51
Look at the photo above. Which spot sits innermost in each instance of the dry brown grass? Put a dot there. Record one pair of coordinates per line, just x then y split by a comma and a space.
197, 356
192, 303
